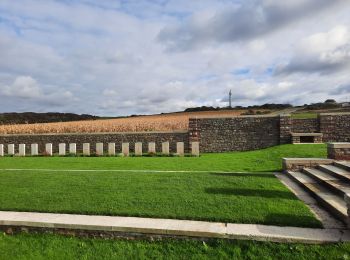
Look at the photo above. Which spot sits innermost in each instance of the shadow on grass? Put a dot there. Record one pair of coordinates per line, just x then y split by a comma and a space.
281, 219
252, 193
241, 174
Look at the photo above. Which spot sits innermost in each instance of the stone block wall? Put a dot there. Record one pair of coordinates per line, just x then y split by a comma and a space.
236, 133
338, 151
335, 127
309, 125
117, 138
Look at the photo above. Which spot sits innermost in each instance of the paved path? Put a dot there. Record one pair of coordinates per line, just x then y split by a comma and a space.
172, 227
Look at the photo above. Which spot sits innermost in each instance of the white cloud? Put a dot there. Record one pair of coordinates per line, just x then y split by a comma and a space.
106, 54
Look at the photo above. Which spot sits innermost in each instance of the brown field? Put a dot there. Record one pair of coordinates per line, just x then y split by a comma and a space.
166, 122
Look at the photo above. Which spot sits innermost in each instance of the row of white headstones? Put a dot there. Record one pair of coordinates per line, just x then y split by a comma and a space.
62, 149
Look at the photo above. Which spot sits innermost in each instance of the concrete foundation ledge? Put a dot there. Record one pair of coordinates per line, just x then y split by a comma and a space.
132, 226
300, 163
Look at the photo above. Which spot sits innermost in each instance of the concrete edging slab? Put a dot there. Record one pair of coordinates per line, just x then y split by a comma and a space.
173, 227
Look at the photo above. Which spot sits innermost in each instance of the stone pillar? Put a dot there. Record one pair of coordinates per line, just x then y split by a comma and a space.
111, 149
22, 150
138, 149
86, 149
99, 149
285, 129
195, 148
165, 148
11, 149
48, 149
73, 148
62, 149
1, 150
338, 151
152, 147
34, 149
125, 149
180, 148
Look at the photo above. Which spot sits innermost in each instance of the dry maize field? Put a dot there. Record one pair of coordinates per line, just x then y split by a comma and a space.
166, 122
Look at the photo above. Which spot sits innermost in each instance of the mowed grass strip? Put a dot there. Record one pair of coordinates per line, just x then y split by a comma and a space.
48, 246
253, 161
250, 197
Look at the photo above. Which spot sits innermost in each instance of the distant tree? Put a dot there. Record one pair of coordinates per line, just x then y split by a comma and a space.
330, 101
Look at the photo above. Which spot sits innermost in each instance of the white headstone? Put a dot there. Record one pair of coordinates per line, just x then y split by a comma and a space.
48, 149
125, 149
22, 150
138, 149
1, 150
34, 149
111, 149
62, 149
152, 147
180, 148
86, 149
73, 148
99, 149
165, 148
11, 149
195, 148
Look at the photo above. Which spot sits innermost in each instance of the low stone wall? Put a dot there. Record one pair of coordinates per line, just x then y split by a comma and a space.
338, 151
235, 134
79, 139
309, 125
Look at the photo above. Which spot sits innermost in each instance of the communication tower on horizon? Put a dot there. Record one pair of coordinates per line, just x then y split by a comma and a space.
230, 99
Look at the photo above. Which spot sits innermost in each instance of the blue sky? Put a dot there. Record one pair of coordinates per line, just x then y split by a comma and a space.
120, 57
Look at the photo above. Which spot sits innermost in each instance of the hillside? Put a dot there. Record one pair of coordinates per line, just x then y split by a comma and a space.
31, 118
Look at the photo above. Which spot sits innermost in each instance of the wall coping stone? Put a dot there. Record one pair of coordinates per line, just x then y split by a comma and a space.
338, 145
307, 134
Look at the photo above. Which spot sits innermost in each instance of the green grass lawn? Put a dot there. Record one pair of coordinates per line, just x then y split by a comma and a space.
255, 196
304, 115
47, 246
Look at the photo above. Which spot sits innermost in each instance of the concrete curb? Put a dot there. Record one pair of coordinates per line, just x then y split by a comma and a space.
173, 227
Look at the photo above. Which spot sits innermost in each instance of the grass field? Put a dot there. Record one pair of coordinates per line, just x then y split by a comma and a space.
201, 192
47, 246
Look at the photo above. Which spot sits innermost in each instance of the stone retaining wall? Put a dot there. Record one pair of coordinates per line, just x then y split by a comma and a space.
309, 125
235, 134
214, 134
117, 138
335, 127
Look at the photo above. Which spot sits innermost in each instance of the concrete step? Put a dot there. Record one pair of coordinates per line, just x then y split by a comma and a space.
329, 181
343, 164
336, 171
335, 204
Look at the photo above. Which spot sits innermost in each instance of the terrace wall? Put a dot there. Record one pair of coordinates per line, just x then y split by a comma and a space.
335, 127
235, 134
117, 138
214, 134
309, 125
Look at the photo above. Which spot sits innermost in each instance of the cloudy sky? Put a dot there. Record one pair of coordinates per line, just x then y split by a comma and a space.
119, 57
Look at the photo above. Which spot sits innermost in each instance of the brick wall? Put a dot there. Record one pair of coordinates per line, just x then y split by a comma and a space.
79, 139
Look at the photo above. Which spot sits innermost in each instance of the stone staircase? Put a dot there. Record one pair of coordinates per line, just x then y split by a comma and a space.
328, 184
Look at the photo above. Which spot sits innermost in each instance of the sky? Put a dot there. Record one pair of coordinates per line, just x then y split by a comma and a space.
122, 57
